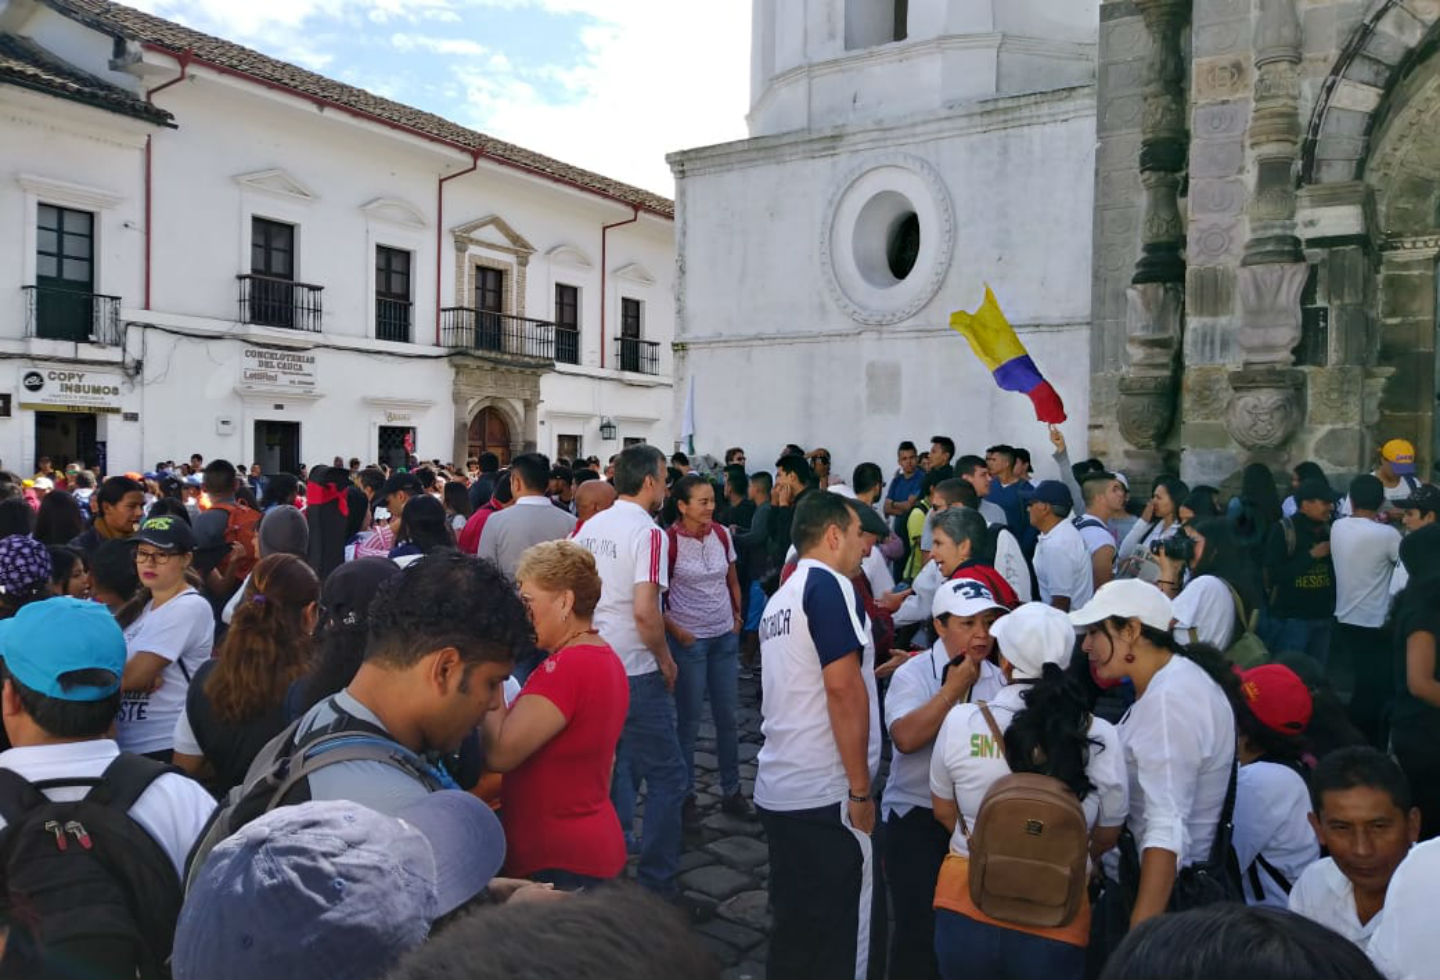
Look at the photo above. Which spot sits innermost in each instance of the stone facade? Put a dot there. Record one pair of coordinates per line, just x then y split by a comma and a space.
1266, 233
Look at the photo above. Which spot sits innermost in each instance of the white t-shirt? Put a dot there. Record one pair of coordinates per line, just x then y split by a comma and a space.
1393, 495
911, 687
699, 597
1062, 565
173, 809
1010, 563
1205, 605
183, 632
876, 570
1179, 740
629, 550
966, 760
1272, 808
1095, 533
811, 621
1324, 895
1405, 945
1365, 554
918, 606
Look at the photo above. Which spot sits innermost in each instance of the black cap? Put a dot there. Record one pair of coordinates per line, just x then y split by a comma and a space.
1049, 492
1424, 497
869, 520
168, 533
398, 482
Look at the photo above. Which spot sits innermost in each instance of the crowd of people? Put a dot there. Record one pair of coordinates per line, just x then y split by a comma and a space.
360, 721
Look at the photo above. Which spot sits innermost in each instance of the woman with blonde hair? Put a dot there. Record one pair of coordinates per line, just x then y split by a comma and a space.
556, 743
236, 702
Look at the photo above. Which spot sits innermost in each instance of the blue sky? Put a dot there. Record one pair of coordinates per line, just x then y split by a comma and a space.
611, 85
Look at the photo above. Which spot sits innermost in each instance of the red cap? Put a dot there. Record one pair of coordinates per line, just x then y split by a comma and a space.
1277, 697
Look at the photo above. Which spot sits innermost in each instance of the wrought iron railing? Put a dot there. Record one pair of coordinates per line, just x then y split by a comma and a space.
636, 355
56, 313
567, 345
392, 319
272, 302
464, 328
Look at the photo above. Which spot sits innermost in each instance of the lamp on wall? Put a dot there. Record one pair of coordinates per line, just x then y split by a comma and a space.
607, 430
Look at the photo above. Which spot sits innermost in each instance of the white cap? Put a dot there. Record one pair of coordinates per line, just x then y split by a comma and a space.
1032, 636
963, 597
1124, 481
1128, 598
44, 483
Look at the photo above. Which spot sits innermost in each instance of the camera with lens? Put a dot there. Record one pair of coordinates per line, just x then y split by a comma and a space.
1180, 547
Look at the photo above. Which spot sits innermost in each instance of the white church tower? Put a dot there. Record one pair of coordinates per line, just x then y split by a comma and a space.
902, 154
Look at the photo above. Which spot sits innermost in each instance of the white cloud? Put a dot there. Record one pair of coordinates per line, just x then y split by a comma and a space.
460, 46
656, 76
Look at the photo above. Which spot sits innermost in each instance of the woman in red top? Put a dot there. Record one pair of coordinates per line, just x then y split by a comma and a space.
557, 741
960, 537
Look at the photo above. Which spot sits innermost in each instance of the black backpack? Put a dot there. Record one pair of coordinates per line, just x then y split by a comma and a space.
279, 775
87, 892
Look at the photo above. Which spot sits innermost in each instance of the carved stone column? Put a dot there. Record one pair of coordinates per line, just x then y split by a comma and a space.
1267, 407
1148, 389
1275, 135
1164, 142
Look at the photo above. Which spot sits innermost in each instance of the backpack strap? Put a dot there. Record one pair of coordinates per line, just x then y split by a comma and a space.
126, 779
1000, 740
18, 796
1287, 527
673, 539
1240, 613
1223, 831
351, 746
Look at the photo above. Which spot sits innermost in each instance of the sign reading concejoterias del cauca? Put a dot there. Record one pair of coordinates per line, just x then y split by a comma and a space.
282, 370
69, 388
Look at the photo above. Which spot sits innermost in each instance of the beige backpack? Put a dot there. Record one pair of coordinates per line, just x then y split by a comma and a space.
1029, 848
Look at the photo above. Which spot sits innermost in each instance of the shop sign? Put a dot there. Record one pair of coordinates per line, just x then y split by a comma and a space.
289, 370
53, 388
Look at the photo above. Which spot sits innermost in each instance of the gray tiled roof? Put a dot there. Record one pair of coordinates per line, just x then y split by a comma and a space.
25, 63
135, 25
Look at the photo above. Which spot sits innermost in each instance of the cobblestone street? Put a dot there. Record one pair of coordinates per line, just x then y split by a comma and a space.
725, 862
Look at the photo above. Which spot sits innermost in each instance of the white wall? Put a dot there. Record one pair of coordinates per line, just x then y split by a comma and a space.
776, 360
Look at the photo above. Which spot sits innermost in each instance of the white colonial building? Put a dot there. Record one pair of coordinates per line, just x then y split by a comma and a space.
209, 250
902, 155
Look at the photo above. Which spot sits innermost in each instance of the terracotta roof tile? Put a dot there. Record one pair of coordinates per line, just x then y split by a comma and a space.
136, 25
25, 63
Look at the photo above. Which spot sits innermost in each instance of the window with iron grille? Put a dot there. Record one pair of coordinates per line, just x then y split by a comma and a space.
567, 323
392, 294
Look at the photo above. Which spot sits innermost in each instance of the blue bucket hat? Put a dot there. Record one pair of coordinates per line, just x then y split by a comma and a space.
53, 637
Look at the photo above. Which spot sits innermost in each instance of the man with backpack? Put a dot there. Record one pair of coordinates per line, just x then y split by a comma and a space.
93, 841
1396, 473
1104, 497
442, 638
225, 534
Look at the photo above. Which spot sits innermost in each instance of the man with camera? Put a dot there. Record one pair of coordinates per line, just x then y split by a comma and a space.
1300, 576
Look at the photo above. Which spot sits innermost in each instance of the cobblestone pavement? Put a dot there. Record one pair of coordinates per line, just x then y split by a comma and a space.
725, 864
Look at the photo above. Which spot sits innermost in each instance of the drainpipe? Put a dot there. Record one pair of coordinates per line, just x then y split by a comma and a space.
605, 272
475, 156
184, 60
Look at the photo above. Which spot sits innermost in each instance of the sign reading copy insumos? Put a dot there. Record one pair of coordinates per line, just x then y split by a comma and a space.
285, 370
51, 388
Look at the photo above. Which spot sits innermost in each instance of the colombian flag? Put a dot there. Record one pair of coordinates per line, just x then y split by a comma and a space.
993, 340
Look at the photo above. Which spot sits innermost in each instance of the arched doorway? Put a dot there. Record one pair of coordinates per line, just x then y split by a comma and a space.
489, 432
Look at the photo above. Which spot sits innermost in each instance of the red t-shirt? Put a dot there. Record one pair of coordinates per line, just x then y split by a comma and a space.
469, 540
556, 806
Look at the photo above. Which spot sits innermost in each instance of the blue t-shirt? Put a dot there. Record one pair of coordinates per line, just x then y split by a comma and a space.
902, 488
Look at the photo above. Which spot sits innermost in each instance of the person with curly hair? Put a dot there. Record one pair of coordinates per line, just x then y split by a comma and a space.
236, 701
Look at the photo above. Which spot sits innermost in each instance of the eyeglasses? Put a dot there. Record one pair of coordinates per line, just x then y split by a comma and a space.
153, 557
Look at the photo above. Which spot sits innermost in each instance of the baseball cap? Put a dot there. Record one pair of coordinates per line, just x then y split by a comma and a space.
1400, 454
167, 533
1277, 697
1424, 497
1128, 598
1124, 480
398, 482
1314, 490
56, 636
869, 520
963, 597
1032, 636
43, 483
1049, 492
334, 889
24, 565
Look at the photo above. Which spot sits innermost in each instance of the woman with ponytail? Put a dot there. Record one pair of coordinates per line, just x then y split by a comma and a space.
236, 701
1179, 738
1045, 728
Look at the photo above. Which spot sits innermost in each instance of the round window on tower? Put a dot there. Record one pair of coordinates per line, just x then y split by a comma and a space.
904, 245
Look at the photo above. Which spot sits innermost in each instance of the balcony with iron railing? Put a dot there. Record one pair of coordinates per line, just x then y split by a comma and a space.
567, 345
393, 319
56, 313
485, 333
637, 356
271, 302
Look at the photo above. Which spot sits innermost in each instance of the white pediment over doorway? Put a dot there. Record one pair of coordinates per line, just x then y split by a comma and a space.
493, 231
276, 182
394, 211
571, 255
635, 272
